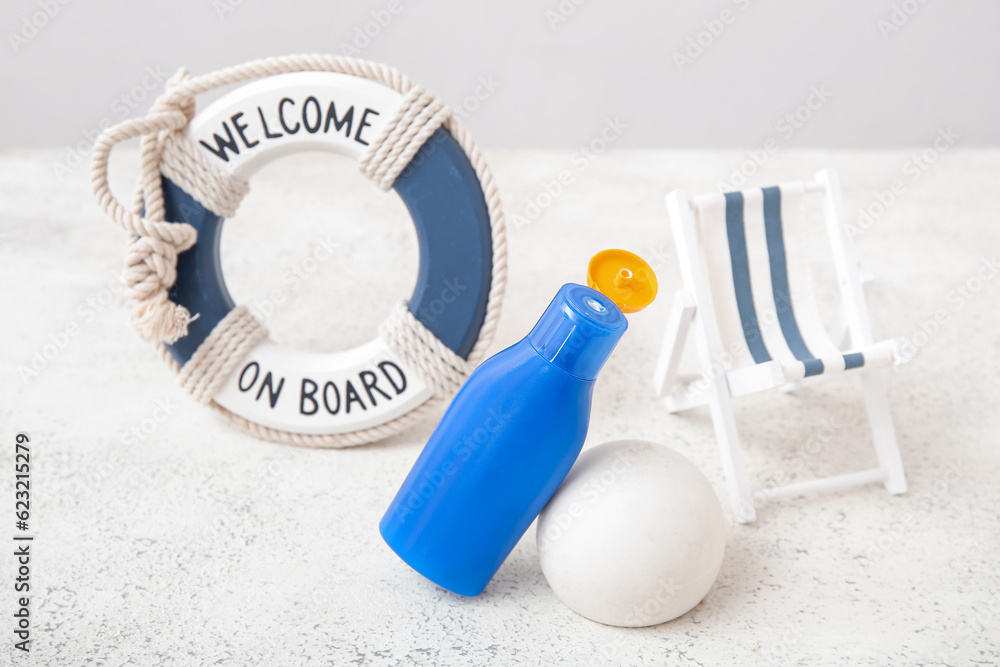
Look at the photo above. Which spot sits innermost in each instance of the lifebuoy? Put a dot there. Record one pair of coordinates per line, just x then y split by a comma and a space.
292, 391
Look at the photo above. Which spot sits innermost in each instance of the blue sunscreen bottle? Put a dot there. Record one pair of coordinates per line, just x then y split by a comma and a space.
505, 444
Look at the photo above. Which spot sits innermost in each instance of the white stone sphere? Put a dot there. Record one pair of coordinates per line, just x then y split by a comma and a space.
633, 537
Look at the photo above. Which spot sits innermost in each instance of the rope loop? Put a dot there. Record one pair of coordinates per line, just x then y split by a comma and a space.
216, 358
442, 369
419, 115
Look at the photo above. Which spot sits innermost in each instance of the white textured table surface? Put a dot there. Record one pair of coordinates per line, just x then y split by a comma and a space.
195, 544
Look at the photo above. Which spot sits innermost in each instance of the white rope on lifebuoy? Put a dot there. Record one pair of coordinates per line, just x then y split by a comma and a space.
221, 353
151, 259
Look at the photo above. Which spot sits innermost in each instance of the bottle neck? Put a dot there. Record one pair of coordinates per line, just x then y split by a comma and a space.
578, 331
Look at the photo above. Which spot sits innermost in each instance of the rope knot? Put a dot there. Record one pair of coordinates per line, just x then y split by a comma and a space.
156, 317
150, 272
180, 98
151, 259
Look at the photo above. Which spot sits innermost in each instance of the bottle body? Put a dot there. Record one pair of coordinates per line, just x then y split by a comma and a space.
504, 445
506, 442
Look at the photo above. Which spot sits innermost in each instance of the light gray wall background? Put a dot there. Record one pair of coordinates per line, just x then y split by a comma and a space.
62, 75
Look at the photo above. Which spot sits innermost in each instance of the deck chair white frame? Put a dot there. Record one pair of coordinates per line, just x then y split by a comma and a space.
693, 308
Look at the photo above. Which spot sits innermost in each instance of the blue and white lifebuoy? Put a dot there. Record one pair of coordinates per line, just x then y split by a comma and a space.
312, 393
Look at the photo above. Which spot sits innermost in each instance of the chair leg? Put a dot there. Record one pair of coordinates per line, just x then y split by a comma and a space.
883, 432
733, 466
681, 313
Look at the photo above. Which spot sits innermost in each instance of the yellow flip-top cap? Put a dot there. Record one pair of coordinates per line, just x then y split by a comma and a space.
623, 277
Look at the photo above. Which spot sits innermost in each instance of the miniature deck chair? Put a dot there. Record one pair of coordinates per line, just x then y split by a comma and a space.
748, 296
